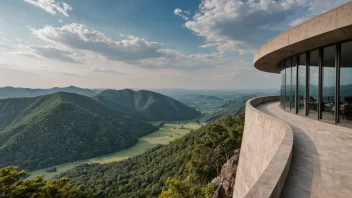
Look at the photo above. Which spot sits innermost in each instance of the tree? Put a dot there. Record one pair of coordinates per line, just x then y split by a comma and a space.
12, 185
175, 188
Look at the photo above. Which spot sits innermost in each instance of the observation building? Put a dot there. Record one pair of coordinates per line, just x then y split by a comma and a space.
299, 144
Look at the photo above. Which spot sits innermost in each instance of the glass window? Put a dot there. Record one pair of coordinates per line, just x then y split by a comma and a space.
313, 85
288, 84
282, 88
302, 73
293, 84
345, 104
328, 84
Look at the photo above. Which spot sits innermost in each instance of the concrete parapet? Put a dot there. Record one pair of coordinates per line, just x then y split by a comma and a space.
265, 155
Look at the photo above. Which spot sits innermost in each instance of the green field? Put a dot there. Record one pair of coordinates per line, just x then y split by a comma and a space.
166, 134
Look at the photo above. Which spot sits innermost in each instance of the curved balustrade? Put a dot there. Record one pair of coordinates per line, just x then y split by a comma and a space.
265, 155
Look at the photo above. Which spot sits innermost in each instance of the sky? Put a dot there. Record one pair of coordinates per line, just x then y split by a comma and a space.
143, 44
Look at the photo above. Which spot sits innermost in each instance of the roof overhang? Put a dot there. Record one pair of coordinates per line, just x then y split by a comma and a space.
329, 28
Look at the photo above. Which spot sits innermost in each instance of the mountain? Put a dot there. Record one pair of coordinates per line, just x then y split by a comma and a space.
146, 105
15, 92
42, 131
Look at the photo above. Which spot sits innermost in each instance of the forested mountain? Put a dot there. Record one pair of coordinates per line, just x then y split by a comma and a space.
62, 127
146, 105
184, 168
17, 92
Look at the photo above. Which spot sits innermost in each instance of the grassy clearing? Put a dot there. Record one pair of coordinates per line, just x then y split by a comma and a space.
164, 135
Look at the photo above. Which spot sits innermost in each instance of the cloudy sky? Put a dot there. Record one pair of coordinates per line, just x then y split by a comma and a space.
192, 44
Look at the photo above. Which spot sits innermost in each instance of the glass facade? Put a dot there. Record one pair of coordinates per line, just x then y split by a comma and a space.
313, 80
302, 75
328, 84
345, 104
318, 84
282, 87
293, 84
288, 85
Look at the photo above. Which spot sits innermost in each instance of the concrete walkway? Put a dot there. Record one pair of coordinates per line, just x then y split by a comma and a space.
322, 157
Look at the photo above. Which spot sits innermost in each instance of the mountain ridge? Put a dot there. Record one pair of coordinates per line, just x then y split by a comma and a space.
146, 105
19, 92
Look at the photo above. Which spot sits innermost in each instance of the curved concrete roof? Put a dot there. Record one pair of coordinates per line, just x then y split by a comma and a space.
328, 28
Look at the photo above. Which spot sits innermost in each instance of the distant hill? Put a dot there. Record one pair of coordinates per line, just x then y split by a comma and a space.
207, 97
146, 105
16, 92
42, 131
231, 108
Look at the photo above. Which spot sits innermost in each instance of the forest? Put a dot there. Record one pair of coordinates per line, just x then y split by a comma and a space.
13, 186
184, 168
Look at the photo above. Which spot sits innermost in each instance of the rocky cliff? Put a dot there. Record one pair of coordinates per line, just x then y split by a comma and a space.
225, 182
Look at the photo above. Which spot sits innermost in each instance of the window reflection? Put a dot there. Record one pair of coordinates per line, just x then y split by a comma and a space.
282, 92
313, 85
302, 84
328, 84
293, 84
345, 105
288, 84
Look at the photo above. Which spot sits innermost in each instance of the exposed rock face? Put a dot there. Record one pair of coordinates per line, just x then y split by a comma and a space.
226, 180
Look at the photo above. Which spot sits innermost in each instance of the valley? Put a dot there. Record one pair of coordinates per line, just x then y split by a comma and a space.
122, 143
167, 133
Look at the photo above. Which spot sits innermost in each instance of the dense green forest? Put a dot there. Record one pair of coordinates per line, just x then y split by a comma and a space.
146, 105
63, 127
12, 186
183, 168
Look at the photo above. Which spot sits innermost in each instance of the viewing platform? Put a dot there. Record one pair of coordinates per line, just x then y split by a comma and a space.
321, 157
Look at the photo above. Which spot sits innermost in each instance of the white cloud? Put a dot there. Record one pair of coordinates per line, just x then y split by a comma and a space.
242, 25
229, 46
235, 72
298, 21
233, 25
61, 21
108, 71
316, 7
80, 37
18, 40
52, 6
137, 51
181, 13
5, 43
175, 59
49, 52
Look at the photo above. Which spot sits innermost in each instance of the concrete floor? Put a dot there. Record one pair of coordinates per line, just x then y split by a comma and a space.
322, 157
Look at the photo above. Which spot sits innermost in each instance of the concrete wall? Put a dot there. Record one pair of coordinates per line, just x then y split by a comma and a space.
328, 28
265, 155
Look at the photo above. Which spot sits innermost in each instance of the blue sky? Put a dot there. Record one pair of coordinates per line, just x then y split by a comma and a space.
191, 44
